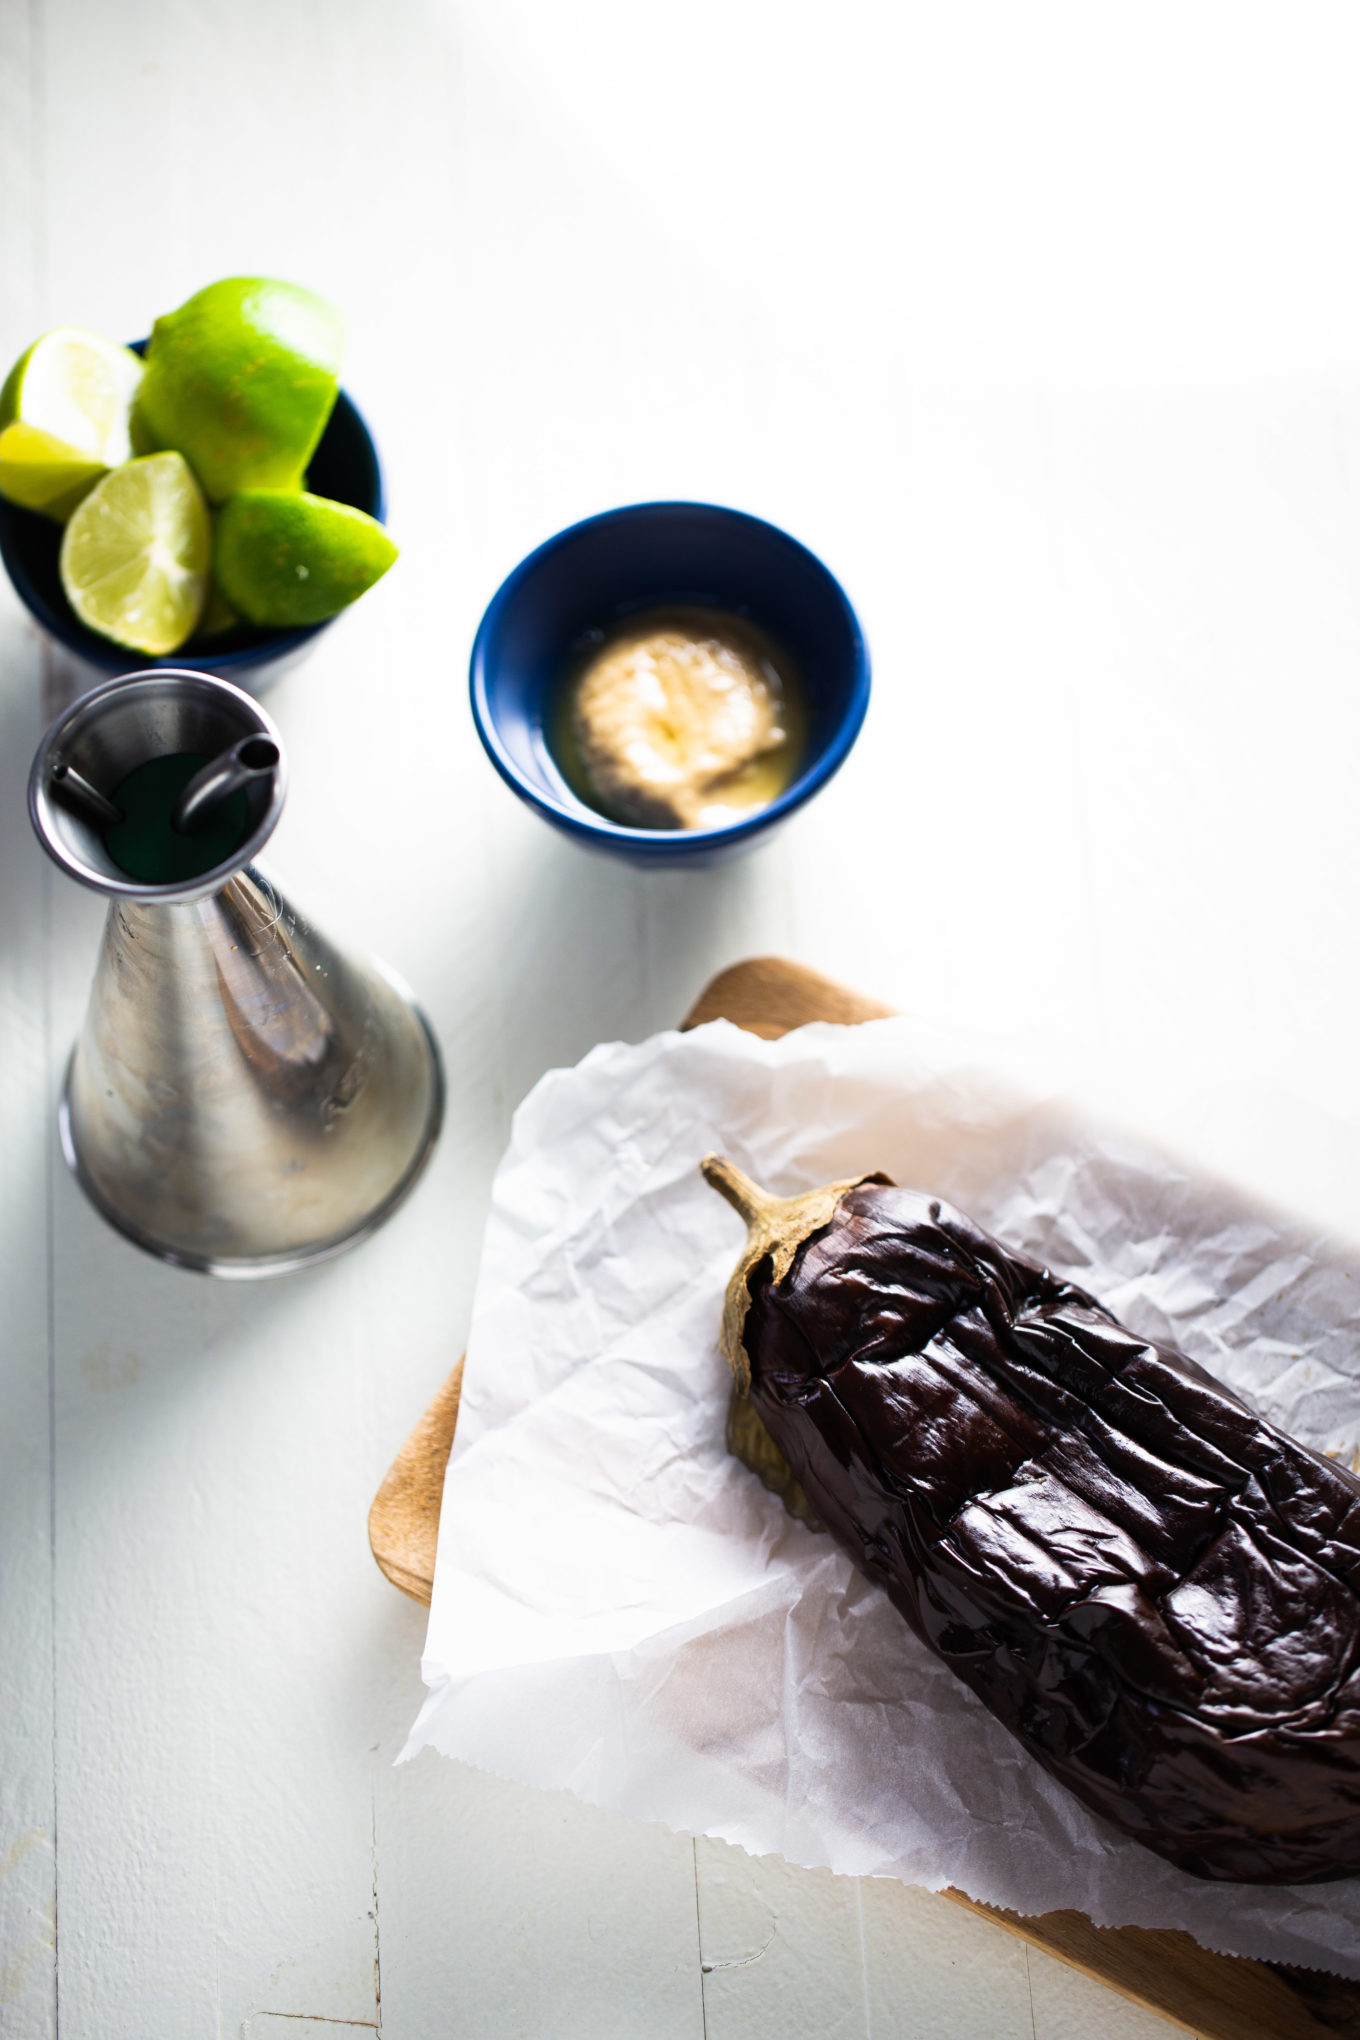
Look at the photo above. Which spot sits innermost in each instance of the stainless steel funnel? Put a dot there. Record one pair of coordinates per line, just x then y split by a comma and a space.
244, 1098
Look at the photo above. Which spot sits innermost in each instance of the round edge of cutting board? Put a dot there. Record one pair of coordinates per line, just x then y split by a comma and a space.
403, 1523
1164, 1969
770, 996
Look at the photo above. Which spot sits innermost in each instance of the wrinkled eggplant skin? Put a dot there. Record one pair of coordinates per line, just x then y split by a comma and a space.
1155, 1591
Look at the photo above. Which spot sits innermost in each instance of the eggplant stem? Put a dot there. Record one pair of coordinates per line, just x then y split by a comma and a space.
741, 1193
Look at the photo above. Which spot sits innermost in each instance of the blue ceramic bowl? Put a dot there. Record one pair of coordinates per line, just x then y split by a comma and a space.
345, 467
609, 567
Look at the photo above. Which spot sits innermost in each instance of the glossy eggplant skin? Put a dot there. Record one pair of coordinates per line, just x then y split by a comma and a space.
1156, 1592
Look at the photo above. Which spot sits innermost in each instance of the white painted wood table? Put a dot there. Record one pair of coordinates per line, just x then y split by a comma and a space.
1043, 327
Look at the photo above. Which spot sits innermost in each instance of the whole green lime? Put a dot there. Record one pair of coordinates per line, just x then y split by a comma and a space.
241, 380
283, 558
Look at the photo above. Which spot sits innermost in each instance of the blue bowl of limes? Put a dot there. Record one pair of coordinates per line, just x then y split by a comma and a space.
343, 475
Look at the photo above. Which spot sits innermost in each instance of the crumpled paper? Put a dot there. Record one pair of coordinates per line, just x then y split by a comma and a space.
621, 1608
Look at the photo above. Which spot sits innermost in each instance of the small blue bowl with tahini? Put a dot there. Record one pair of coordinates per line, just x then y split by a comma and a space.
589, 580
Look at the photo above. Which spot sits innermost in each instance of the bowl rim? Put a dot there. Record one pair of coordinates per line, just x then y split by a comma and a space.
103, 653
586, 822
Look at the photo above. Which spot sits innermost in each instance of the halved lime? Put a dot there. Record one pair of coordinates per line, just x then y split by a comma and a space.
136, 554
241, 380
65, 418
282, 557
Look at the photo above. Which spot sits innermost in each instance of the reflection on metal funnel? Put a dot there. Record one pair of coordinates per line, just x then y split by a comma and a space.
244, 1098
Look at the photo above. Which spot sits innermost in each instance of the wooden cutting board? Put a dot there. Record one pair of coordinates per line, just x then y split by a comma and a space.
1216, 1997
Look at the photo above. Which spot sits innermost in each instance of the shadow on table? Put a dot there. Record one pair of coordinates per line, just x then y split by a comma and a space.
595, 950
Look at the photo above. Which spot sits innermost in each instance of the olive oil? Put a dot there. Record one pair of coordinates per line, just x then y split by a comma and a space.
147, 845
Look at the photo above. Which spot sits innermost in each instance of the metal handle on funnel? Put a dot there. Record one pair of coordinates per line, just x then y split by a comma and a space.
239, 765
76, 793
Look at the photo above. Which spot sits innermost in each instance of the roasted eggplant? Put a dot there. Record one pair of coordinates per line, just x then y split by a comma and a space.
1155, 1590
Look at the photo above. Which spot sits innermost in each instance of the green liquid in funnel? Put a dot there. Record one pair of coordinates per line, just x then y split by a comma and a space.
146, 844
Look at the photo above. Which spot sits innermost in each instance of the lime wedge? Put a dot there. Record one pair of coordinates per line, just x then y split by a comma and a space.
241, 380
135, 557
285, 558
65, 414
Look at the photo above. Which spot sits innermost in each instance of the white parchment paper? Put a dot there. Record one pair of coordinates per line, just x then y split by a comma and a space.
620, 1607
